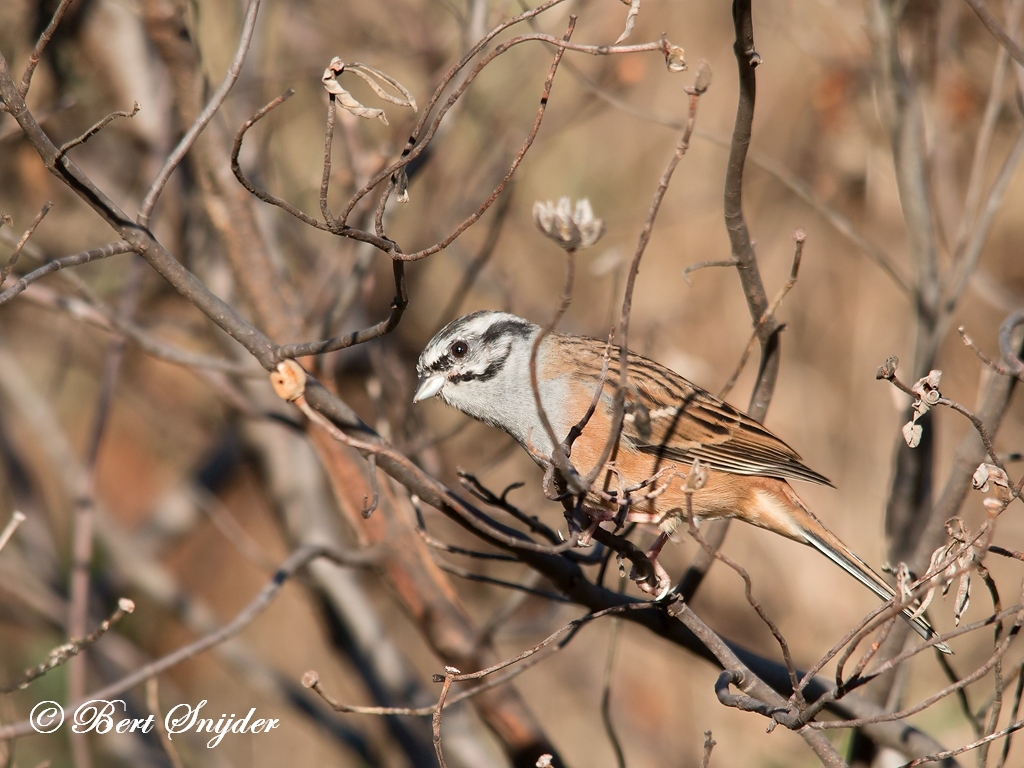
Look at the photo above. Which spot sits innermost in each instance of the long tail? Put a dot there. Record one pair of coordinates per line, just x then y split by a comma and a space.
830, 546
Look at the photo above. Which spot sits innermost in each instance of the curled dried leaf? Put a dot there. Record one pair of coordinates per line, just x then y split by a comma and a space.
634, 10
903, 582
963, 556
373, 77
675, 58
927, 385
957, 531
888, 369
998, 476
402, 185
987, 475
979, 481
963, 597
912, 432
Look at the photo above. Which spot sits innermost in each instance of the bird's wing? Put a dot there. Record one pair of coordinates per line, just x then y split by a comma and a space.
669, 417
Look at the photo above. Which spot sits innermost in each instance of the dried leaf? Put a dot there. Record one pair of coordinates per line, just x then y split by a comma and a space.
634, 10
963, 597
371, 76
997, 476
402, 185
675, 58
903, 582
927, 389
912, 433
957, 531
887, 369
980, 479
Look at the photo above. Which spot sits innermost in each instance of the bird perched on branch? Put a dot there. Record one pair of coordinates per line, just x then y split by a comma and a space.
480, 364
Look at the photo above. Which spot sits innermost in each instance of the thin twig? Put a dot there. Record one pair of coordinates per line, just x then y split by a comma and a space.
516, 665
966, 747
204, 117
383, 328
748, 591
523, 149
768, 315
297, 560
992, 25
479, 261
21, 244
96, 128
709, 744
690, 269
153, 702
62, 653
103, 252
435, 722
91, 310
37, 51
694, 92
17, 518
606, 686
481, 578
325, 178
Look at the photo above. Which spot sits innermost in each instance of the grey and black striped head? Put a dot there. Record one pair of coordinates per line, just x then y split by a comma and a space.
473, 356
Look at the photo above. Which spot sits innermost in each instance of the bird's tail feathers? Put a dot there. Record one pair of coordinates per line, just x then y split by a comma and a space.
830, 546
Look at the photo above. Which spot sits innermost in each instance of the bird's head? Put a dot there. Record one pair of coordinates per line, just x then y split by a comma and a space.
472, 361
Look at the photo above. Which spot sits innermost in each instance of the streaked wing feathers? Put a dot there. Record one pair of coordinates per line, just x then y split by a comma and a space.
669, 417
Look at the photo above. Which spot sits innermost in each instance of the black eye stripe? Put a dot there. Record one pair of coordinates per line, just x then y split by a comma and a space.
486, 374
443, 363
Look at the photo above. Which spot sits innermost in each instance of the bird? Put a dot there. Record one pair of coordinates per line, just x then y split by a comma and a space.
480, 365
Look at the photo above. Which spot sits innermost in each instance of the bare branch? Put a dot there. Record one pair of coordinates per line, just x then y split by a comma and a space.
204, 118
992, 25
40, 46
96, 128
103, 252
62, 653
21, 244
17, 518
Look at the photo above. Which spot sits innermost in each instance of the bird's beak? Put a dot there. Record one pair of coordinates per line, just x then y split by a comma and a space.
429, 386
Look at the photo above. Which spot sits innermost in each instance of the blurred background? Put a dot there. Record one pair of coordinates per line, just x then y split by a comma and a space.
199, 489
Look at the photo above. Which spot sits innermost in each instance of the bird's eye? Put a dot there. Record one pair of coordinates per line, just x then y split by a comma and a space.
459, 349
